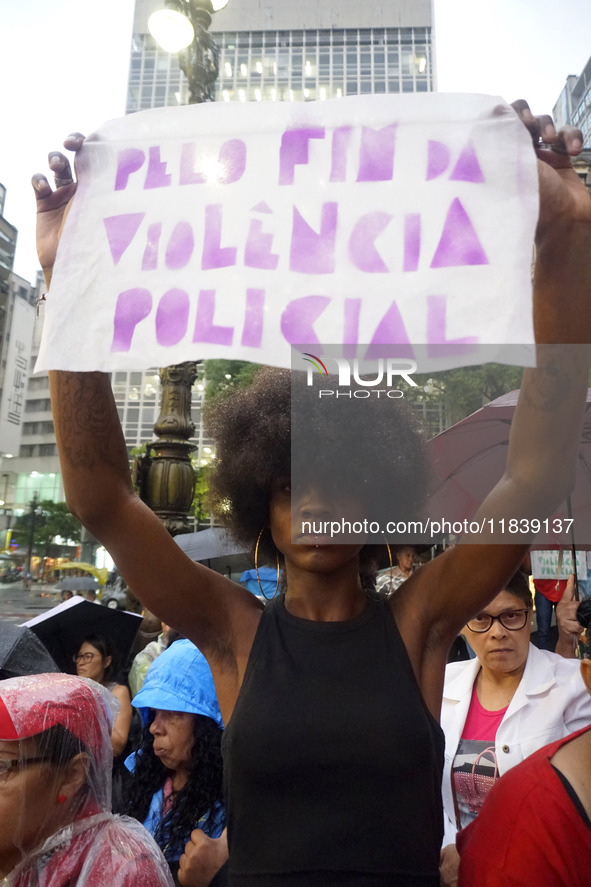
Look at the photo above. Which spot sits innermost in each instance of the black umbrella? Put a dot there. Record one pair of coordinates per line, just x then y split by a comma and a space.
22, 653
63, 628
208, 544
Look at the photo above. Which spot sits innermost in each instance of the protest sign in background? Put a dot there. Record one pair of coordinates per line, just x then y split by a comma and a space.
557, 564
233, 230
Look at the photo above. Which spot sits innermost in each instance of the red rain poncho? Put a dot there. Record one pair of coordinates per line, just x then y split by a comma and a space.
47, 722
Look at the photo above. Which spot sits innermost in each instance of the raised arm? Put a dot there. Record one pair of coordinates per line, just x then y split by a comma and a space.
214, 613
545, 433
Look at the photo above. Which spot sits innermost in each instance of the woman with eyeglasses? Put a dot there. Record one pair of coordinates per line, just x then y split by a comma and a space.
501, 707
535, 827
96, 660
56, 828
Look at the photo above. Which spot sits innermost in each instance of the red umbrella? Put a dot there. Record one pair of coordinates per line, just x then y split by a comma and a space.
469, 459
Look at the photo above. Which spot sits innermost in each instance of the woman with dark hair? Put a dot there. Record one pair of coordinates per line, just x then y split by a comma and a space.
176, 785
96, 659
501, 707
56, 828
332, 752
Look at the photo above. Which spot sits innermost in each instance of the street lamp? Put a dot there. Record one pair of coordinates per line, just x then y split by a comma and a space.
7, 531
35, 512
165, 476
171, 29
182, 27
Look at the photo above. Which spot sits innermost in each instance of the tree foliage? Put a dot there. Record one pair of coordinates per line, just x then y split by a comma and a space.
470, 388
222, 375
466, 389
198, 505
46, 520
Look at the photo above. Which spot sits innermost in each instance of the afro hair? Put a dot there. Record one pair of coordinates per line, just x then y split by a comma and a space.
278, 428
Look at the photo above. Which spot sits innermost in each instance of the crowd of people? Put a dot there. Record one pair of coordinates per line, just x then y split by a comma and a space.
326, 704
511, 708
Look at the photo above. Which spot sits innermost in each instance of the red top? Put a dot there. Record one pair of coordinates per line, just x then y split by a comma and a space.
553, 589
528, 831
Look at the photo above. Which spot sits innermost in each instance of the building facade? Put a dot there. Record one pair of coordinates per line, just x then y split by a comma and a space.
17, 320
29, 463
8, 238
573, 107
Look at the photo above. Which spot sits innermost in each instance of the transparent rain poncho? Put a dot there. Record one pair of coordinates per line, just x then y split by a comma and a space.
56, 828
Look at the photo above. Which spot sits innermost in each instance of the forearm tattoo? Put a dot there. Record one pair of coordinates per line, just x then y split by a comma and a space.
550, 383
86, 421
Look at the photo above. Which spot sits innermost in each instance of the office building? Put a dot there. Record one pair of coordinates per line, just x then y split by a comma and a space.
8, 238
276, 50
17, 318
573, 108
28, 452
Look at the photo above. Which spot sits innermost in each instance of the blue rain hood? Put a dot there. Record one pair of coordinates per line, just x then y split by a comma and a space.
179, 680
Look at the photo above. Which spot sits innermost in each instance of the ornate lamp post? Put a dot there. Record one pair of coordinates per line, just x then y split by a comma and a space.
165, 476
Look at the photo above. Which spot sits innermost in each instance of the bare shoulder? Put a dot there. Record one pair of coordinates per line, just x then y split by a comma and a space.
121, 692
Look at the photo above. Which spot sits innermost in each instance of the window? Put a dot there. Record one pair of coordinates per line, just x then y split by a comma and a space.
38, 406
38, 383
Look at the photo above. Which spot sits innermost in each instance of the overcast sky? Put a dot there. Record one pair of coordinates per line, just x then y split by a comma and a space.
64, 65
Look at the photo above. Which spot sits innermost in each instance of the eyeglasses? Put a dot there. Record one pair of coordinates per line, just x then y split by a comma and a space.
83, 657
8, 767
512, 620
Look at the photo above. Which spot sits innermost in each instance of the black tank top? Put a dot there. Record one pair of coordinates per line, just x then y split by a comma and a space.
332, 761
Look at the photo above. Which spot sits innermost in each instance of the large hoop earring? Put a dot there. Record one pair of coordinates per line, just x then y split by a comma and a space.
391, 568
374, 594
256, 567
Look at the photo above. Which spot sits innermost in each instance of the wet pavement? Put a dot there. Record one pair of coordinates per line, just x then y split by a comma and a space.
17, 604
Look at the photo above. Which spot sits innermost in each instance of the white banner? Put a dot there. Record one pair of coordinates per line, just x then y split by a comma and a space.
18, 357
236, 230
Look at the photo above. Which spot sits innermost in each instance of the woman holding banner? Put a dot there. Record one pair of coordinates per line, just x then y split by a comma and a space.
332, 752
